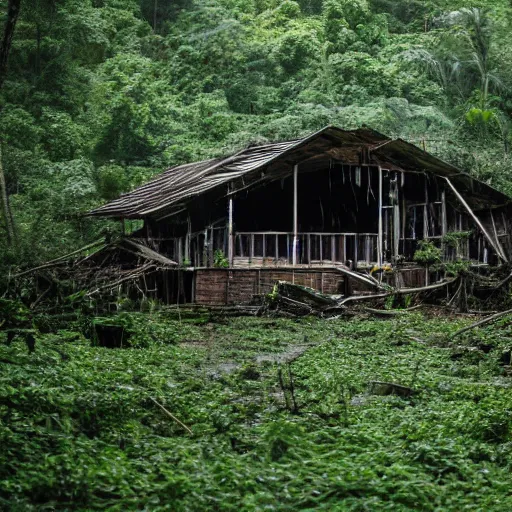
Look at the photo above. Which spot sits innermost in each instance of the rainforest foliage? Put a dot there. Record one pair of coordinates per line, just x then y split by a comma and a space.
102, 94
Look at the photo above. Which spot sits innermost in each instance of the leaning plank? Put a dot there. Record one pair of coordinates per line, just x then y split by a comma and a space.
477, 220
482, 322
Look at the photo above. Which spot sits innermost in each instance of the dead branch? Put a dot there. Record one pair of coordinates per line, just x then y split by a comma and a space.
482, 322
171, 415
401, 291
503, 282
386, 312
61, 259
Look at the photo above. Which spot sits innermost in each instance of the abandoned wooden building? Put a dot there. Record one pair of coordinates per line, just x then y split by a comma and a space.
301, 210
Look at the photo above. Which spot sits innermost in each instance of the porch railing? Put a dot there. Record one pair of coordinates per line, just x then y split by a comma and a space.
274, 248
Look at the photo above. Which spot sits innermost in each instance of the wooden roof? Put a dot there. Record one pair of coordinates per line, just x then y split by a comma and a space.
172, 190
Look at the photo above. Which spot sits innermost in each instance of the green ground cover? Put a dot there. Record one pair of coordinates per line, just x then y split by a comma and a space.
79, 428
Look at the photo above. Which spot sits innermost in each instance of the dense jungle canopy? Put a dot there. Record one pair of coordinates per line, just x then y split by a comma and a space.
100, 95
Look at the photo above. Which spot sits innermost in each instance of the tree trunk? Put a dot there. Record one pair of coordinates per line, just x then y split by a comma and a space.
13, 11
4, 198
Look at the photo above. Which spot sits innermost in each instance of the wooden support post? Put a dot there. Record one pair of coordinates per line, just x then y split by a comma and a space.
425, 212
356, 243
477, 220
444, 225
211, 247
404, 213
230, 233
379, 239
277, 248
180, 251
295, 214
396, 230
187, 240
444, 218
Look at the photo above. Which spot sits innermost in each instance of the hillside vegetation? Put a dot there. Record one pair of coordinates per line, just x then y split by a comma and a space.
102, 94
82, 427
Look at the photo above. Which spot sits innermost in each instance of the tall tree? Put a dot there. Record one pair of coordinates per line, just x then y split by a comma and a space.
13, 11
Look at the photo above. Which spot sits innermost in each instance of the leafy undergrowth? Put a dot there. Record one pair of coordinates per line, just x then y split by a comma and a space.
80, 429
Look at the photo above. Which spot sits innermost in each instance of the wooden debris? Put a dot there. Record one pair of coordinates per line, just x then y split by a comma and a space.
299, 301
